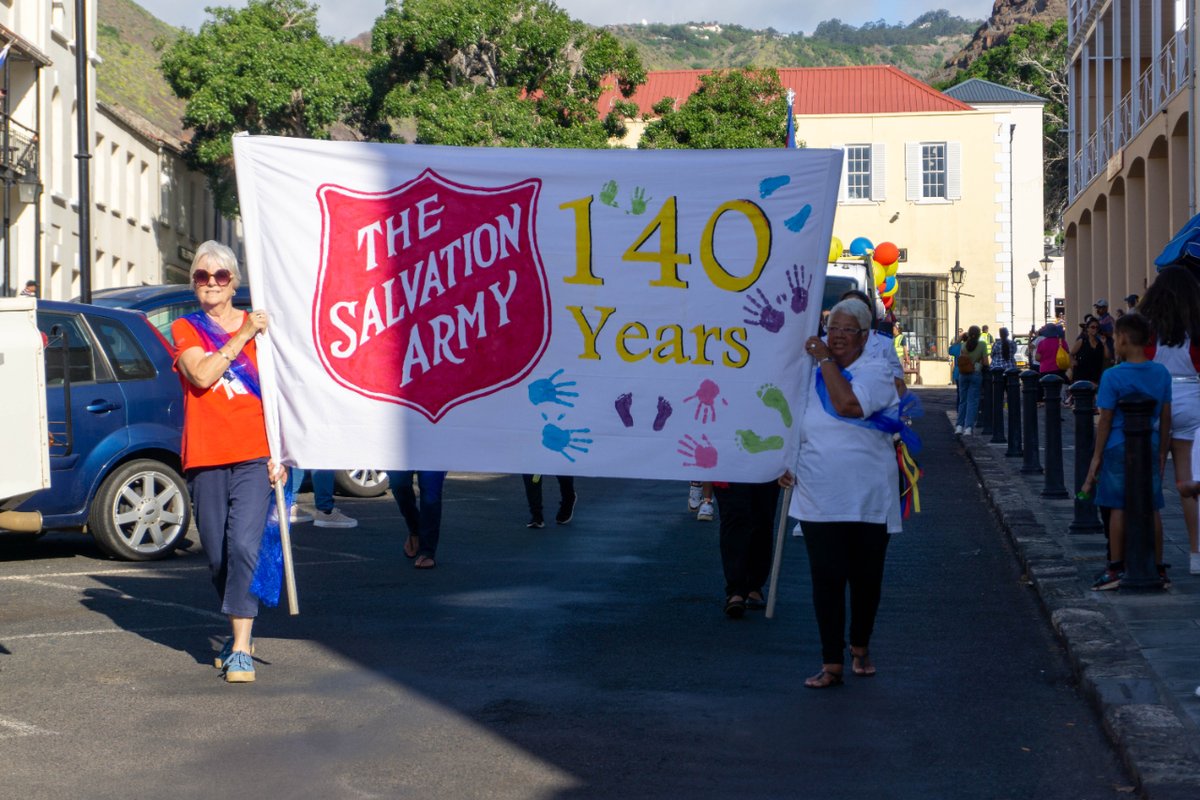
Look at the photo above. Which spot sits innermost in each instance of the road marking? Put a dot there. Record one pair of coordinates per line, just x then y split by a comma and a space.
13, 729
342, 558
56, 634
109, 592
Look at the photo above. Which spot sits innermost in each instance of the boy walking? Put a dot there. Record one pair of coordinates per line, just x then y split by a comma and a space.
1134, 375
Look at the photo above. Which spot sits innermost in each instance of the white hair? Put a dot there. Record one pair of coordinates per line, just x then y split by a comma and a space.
856, 308
220, 256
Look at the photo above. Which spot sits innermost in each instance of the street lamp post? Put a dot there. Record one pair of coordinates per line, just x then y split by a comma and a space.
956, 280
1046, 263
1033, 282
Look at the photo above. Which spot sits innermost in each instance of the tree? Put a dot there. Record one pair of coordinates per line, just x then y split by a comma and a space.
736, 108
494, 72
263, 69
1034, 59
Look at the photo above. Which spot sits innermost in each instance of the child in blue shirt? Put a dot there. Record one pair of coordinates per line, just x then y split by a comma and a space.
1134, 375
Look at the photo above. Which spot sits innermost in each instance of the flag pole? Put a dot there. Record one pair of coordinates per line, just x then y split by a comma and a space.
780, 533
285, 544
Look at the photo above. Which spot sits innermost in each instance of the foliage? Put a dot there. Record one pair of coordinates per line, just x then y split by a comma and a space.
1034, 60
127, 74
264, 69
493, 72
737, 108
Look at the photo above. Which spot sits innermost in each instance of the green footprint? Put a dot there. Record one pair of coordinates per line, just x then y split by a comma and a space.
773, 398
751, 442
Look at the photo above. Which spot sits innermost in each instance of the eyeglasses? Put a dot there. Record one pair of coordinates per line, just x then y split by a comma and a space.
834, 329
222, 276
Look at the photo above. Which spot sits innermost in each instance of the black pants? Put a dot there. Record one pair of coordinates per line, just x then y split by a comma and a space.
533, 491
841, 553
747, 527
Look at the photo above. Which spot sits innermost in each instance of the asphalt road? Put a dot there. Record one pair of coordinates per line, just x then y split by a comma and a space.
591, 660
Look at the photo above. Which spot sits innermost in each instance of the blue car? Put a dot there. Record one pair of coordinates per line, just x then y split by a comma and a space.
115, 407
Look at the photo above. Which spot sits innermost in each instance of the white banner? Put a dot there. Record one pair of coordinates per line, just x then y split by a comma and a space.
617, 313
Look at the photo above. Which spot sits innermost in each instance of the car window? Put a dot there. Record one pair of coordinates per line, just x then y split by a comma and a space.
80, 356
128, 359
162, 318
835, 287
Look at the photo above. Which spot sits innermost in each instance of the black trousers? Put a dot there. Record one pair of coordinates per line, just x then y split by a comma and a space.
747, 513
841, 554
533, 491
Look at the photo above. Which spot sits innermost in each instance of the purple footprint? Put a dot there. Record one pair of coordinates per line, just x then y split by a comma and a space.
664, 413
623, 405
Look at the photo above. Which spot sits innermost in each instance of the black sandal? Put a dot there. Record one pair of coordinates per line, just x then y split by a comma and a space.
824, 680
735, 606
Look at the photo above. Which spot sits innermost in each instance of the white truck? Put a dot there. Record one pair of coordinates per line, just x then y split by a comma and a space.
25, 467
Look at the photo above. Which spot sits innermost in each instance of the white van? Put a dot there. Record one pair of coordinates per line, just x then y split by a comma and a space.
842, 276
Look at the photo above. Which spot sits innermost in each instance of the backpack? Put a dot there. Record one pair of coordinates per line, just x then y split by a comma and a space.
966, 364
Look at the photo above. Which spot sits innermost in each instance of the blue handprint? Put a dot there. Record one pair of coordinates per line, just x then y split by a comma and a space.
562, 439
546, 390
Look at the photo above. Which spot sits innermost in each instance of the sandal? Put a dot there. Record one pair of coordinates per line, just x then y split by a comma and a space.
425, 562
824, 680
755, 601
860, 663
411, 545
735, 606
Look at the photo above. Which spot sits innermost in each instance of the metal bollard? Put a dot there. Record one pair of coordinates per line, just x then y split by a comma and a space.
1052, 390
1087, 519
1141, 571
1012, 379
1030, 392
984, 417
997, 405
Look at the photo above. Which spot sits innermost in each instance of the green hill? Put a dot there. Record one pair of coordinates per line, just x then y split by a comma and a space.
128, 75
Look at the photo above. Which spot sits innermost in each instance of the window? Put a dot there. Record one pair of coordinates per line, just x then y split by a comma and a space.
920, 308
128, 360
933, 170
80, 359
858, 172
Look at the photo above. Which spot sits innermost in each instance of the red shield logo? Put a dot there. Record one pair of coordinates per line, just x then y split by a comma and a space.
430, 294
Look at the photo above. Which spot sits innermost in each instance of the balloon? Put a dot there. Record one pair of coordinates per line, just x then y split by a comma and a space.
887, 253
860, 246
889, 284
887, 303
835, 248
878, 272
889, 292
891, 269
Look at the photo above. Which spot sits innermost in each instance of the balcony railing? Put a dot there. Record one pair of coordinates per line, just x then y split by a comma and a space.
20, 158
1162, 80
1077, 14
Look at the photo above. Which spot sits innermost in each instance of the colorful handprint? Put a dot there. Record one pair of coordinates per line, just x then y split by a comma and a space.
546, 390
769, 318
702, 453
560, 440
637, 202
799, 289
706, 400
608, 194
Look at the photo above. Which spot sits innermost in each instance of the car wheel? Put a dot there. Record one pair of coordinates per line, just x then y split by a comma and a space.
361, 482
141, 512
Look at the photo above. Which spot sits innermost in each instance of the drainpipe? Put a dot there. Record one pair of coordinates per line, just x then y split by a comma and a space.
1012, 225
1192, 113
82, 106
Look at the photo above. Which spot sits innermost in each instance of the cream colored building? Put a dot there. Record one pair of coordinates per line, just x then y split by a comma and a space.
148, 210
948, 181
1132, 107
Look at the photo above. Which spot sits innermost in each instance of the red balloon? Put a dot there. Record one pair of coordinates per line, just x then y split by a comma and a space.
887, 302
887, 253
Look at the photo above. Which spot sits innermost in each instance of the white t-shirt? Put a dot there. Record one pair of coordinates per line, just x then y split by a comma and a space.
848, 473
880, 345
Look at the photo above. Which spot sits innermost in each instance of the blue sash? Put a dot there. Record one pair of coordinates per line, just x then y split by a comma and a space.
214, 339
889, 420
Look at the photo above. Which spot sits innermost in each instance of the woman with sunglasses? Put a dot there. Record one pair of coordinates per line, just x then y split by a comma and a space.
1089, 356
225, 452
851, 413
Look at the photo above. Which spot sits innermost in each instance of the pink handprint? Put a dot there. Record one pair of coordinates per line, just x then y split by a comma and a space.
769, 317
706, 397
799, 293
702, 453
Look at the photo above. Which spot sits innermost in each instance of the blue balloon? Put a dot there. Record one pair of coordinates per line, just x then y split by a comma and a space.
860, 246
889, 283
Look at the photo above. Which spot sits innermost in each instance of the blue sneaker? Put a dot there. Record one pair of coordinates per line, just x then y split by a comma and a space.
239, 668
226, 649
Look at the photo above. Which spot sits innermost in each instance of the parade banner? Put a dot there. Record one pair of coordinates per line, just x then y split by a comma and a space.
608, 313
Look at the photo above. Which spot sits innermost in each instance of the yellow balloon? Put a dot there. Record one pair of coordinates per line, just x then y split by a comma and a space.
891, 269
835, 248
895, 289
878, 272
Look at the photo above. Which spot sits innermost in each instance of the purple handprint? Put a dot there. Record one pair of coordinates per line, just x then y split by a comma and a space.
795, 280
702, 453
769, 317
706, 397
664, 412
624, 404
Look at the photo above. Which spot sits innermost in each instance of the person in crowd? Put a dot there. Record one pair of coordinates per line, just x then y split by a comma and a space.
1131, 301
1172, 307
325, 514
30, 290
423, 516
846, 488
900, 343
566, 500
747, 512
954, 351
881, 345
1031, 348
1089, 354
225, 453
972, 360
700, 500
988, 339
1106, 319
1135, 374
1004, 351
1052, 339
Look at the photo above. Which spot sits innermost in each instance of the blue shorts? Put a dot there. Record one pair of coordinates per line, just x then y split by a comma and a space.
1110, 484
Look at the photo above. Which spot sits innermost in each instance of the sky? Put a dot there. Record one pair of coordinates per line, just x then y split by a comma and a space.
343, 19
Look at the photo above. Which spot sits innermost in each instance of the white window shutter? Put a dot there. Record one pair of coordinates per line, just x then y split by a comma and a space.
843, 195
878, 171
912, 171
953, 170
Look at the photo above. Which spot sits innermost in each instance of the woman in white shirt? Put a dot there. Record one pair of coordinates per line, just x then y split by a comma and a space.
846, 493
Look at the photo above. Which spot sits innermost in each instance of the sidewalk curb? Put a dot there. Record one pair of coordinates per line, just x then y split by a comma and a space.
1152, 735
